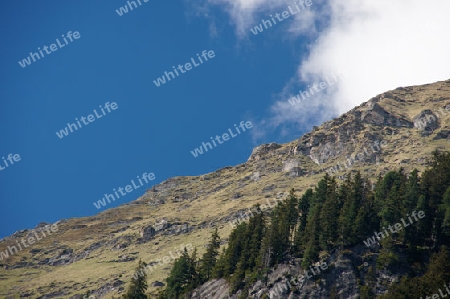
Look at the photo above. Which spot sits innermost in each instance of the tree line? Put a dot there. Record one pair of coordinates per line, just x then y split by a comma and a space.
336, 216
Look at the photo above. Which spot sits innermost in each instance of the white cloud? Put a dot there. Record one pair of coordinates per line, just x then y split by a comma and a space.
383, 45
242, 12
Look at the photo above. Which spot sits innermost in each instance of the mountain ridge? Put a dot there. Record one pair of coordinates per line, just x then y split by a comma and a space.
99, 253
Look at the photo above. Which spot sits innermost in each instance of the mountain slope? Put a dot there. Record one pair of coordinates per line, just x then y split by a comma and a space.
397, 128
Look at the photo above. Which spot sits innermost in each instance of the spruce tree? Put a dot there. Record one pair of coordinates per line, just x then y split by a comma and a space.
352, 191
311, 239
138, 285
328, 217
209, 258
181, 276
256, 232
234, 249
303, 210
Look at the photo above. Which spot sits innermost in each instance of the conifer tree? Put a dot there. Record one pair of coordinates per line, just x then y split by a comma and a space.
303, 209
328, 217
181, 276
412, 195
291, 211
209, 258
424, 226
412, 191
235, 246
311, 239
238, 278
256, 232
353, 192
255, 247
138, 285
344, 222
219, 268
445, 209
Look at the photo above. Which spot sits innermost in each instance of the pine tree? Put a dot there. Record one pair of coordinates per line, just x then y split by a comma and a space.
138, 285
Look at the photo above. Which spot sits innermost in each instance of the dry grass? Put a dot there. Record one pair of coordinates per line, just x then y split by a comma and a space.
207, 207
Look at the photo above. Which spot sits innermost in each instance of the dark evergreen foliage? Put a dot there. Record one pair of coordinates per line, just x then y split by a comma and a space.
341, 216
138, 285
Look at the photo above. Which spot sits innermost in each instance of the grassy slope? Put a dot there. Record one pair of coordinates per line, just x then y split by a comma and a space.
209, 206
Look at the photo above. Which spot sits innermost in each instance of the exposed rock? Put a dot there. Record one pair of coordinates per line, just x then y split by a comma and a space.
161, 225
342, 272
237, 195
125, 258
269, 188
116, 284
165, 228
376, 115
178, 229
157, 202
259, 178
147, 233
262, 150
216, 288
120, 246
426, 121
79, 226
256, 176
293, 167
157, 284
443, 134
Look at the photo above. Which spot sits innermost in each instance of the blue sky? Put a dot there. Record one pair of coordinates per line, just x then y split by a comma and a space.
154, 128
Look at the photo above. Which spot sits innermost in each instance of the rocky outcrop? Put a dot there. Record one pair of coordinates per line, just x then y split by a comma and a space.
216, 288
157, 284
443, 134
426, 121
336, 138
340, 273
293, 167
260, 151
147, 233
163, 227
376, 115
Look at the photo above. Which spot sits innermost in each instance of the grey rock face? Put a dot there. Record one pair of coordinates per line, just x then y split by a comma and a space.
260, 151
343, 271
426, 121
157, 284
376, 115
443, 134
163, 227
